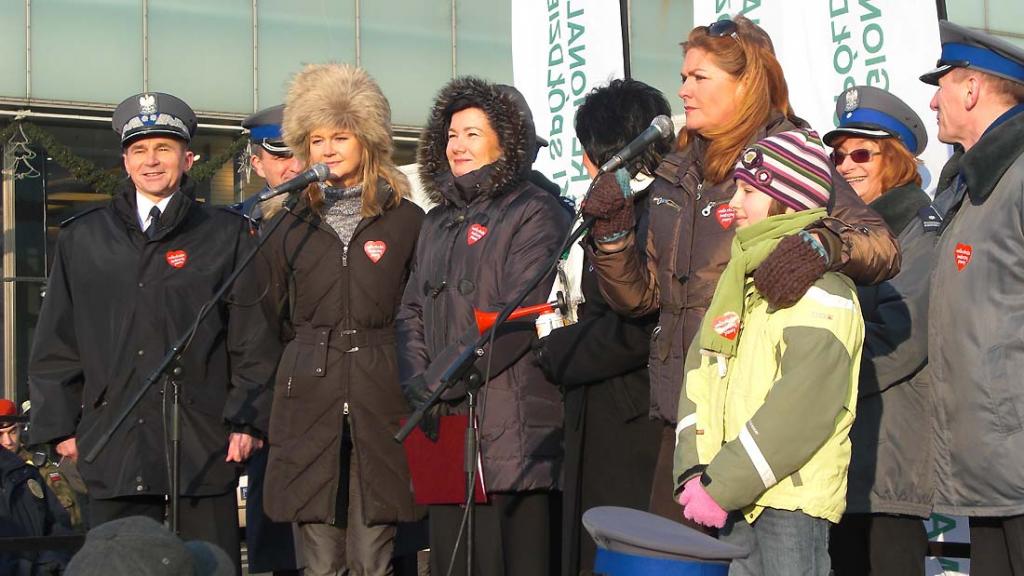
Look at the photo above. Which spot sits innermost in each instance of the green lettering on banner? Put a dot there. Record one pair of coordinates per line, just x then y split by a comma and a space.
851, 58
948, 565
940, 525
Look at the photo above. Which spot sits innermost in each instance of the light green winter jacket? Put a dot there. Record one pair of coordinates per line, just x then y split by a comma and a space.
769, 426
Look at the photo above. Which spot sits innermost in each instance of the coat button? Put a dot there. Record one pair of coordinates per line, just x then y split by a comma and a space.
142, 421
139, 488
141, 284
139, 479
141, 352
319, 370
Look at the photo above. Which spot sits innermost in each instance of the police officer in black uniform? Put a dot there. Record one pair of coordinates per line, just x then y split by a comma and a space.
128, 280
28, 508
272, 546
271, 158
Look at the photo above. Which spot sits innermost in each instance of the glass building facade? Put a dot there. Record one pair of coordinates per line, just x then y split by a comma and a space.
67, 63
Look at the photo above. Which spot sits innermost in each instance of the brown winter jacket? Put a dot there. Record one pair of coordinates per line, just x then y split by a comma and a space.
688, 246
337, 305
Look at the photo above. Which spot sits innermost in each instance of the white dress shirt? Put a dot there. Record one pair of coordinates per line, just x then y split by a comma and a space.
144, 205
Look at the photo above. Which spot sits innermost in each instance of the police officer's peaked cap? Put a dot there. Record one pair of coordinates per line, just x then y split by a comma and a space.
966, 48
869, 112
265, 130
629, 532
154, 114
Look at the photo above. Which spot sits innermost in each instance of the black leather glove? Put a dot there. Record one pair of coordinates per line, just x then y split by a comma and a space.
417, 393
795, 264
613, 210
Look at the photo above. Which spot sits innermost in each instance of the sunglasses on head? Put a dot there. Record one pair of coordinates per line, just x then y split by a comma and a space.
860, 156
722, 28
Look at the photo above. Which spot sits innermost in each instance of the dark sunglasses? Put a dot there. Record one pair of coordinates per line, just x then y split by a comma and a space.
859, 156
722, 28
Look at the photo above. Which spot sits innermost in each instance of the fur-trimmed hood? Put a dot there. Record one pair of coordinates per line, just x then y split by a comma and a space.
509, 115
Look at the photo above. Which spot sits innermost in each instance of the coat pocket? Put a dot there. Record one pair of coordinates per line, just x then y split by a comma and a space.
1003, 402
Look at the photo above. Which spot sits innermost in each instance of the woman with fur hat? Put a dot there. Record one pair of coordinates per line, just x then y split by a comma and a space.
492, 233
340, 259
769, 394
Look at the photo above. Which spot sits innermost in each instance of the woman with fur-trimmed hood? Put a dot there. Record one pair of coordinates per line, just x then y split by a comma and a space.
491, 234
340, 259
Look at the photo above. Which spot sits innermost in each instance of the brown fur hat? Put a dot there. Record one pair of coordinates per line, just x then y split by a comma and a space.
341, 96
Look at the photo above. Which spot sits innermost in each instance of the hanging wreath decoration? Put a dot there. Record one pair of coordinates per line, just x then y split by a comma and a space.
107, 181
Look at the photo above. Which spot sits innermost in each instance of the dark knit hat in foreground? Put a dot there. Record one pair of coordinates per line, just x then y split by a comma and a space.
791, 167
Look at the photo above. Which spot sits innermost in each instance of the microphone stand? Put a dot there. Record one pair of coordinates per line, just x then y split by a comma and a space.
173, 358
460, 369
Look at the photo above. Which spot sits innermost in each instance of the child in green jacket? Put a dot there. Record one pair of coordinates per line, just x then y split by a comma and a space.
769, 395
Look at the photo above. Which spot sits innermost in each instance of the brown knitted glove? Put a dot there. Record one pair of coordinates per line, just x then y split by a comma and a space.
612, 209
795, 264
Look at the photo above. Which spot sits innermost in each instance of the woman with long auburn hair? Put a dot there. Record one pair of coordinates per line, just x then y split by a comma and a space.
735, 94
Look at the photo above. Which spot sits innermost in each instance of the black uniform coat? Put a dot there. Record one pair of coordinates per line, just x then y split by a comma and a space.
611, 446
338, 303
891, 460
116, 302
28, 508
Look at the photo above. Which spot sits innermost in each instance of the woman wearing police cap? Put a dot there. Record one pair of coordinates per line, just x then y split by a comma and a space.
340, 260
875, 147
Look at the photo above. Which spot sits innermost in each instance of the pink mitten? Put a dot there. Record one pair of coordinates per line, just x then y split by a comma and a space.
699, 506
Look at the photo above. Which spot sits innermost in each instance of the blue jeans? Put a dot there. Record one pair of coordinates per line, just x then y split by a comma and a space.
781, 543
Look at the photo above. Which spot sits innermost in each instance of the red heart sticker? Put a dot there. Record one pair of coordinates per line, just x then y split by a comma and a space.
727, 325
475, 233
725, 215
177, 258
375, 249
962, 256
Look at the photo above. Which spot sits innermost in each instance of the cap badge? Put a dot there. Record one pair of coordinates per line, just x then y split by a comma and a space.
852, 100
147, 104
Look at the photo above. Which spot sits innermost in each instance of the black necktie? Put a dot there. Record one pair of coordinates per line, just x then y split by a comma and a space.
154, 219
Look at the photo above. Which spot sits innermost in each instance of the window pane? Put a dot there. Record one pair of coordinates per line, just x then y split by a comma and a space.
201, 52
484, 39
86, 50
966, 13
655, 55
12, 46
407, 47
1006, 19
295, 32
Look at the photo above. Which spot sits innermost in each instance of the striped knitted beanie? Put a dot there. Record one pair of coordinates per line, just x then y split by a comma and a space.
791, 167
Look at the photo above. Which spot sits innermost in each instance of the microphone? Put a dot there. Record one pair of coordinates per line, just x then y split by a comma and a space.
661, 127
315, 173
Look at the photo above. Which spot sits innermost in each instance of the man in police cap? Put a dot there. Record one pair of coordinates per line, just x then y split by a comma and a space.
976, 332
272, 546
271, 159
128, 280
56, 475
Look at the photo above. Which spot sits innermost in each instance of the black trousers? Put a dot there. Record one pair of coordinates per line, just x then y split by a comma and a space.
516, 535
997, 546
608, 462
209, 518
879, 545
